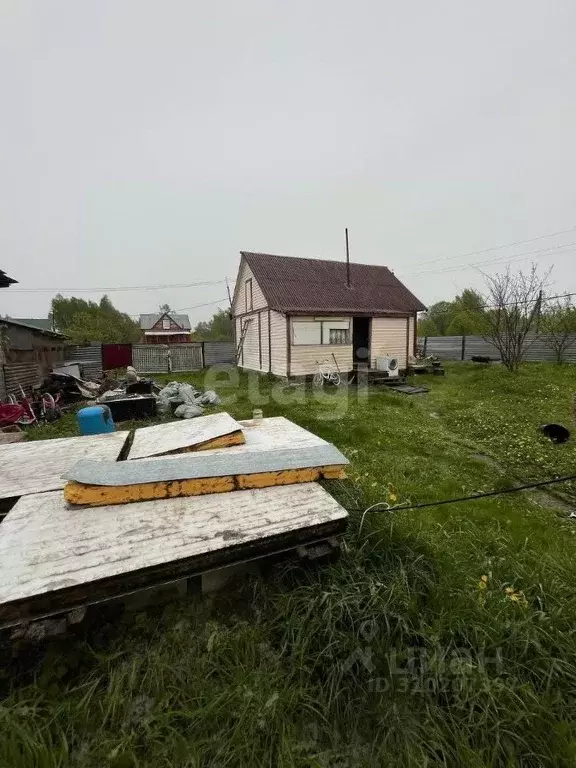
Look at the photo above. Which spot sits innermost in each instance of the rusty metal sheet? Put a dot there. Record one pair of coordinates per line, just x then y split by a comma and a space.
199, 465
176, 436
52, 556
38, 466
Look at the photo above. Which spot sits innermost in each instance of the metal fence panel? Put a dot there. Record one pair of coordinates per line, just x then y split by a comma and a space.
186, 357
25, 375
446, 347
538, 348
89, 358
150, 358
116, 356
219, 353
161, 358
474, 345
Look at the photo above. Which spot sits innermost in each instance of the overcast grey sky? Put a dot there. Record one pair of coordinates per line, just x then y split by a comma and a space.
146, 143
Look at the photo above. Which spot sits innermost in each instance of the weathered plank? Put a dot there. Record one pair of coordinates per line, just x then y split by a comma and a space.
213, 431
269, 434
38, 466
53, 558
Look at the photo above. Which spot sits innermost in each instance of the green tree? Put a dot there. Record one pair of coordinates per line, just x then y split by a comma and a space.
441, 315
85, 321
427, 327
219, 328
469, 316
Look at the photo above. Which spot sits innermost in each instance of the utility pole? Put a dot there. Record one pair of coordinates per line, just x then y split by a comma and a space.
347, 260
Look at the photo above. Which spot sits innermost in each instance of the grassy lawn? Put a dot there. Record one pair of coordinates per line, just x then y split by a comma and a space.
443, 636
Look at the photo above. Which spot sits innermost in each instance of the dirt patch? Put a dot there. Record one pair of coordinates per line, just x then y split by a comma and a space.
543, 497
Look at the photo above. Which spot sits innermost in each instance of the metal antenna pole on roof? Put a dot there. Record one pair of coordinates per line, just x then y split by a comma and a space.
347, 260
229, 297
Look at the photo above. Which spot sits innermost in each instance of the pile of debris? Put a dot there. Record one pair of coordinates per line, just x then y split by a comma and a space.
184, 400
70, 388
132, 397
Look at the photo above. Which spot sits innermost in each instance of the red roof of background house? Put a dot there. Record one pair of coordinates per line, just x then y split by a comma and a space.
294, 285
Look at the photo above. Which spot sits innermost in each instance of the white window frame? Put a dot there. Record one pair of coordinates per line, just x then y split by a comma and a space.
249, 303
324, 326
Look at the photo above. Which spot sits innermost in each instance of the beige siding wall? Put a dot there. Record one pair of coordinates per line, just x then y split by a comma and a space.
411, 341
250, 357
278, 335
264, 339
389, 338
303, 359
259, 302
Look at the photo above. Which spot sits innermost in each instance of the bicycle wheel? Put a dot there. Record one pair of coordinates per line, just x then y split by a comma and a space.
317, 379
335, 378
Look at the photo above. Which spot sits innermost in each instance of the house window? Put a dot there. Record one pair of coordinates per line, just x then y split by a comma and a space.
165, 323
249, 300
316, 332
307, 332
338, 336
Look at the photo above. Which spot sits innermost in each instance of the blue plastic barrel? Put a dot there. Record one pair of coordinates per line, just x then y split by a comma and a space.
95, 420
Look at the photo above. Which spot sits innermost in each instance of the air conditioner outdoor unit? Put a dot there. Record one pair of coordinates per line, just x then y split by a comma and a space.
388, 363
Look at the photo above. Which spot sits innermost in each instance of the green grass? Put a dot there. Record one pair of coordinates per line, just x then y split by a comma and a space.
458, 672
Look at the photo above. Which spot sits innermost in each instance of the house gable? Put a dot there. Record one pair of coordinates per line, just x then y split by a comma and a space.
248, 296
166, 323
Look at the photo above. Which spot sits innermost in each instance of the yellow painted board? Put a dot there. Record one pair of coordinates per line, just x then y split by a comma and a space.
102, 495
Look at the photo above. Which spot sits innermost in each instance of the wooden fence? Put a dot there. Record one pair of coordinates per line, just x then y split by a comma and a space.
539, 348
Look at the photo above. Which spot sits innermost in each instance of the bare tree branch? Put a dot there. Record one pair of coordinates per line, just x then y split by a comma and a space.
516, 301
559, 324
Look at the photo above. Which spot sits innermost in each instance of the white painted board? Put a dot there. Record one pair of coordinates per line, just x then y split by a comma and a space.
161, 439
46, 546
38, 466
274, 433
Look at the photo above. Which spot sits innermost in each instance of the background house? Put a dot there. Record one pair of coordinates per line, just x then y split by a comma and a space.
294, 312
165, 328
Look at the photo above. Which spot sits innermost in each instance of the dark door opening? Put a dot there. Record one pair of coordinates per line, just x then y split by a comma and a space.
361, 340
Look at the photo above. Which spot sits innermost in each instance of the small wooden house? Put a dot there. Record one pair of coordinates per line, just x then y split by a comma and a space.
291, 313
165, 328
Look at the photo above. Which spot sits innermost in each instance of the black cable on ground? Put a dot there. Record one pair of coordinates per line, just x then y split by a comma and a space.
472, 497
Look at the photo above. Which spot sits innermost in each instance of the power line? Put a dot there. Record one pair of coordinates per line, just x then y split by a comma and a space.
495, 247
503, 259
197, 306
114, 289
509, 304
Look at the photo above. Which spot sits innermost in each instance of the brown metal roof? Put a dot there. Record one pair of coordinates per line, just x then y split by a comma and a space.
295, 285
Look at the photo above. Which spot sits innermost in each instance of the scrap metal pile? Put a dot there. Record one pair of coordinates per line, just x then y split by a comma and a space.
130, 397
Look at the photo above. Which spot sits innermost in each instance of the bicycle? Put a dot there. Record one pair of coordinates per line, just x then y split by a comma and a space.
325, 373
40, 409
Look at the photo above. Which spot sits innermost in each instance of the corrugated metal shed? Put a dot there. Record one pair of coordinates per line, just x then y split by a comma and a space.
25, 375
